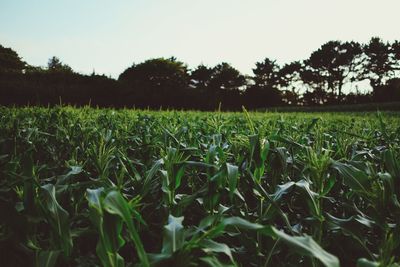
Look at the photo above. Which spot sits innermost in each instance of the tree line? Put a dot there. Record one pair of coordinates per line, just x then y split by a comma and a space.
169, 83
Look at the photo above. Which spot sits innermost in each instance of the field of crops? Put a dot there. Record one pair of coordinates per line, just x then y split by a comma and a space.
102, 187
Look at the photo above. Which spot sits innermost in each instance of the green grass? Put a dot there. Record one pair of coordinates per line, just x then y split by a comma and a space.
103, 187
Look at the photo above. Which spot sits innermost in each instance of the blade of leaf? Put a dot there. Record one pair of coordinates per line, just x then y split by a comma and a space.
173, 235
114, 203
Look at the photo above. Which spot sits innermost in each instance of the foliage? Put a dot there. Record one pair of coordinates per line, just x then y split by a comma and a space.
155, 82
10, 61
55, 65
332, 64
90, 187
167, 83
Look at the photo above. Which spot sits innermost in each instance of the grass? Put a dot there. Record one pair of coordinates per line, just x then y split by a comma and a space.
103, 187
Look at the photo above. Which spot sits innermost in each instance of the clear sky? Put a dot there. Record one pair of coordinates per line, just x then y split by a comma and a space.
108, 36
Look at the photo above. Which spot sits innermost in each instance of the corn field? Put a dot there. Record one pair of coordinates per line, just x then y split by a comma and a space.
104, 187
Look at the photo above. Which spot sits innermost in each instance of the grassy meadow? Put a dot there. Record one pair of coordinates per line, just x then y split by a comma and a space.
104, 187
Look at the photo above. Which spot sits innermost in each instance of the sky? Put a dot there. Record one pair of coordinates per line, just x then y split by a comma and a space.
109, 36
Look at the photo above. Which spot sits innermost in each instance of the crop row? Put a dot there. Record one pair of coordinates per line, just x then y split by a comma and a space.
88, 187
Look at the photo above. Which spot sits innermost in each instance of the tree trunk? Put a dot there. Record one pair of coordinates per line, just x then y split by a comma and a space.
340, 91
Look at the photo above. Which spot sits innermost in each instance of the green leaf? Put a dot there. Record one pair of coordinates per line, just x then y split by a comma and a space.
392, 165
108, 257
212, 246
47, 258
238, 223
114, 203
74, 170
303, 245
150, 175
109, 227
275, 198
353, 227
112, 233
179, 172
255, 148
285, 140
306, 246
366, 263
264, 150
241, 223
283, 190
311, 197
233, 174
94, 197
174, 235
29, 184
57, 217
354, 178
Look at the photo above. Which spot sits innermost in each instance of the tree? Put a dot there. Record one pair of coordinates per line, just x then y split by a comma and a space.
335, 63
381, 64
220, 84
264, 91
395, 52
201, 76
10, 61
227, 78
290, 81
266, 73
316, 97
395, 49
157, 82
55, 65
226, 87
377, 65
200, 80
316, 91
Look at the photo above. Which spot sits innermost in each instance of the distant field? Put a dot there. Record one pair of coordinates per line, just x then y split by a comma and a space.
387, 106
103, 187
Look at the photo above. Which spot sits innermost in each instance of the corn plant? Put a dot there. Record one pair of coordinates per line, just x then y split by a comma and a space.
104, 187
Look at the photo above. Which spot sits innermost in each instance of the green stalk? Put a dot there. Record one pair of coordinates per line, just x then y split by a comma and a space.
270, 253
